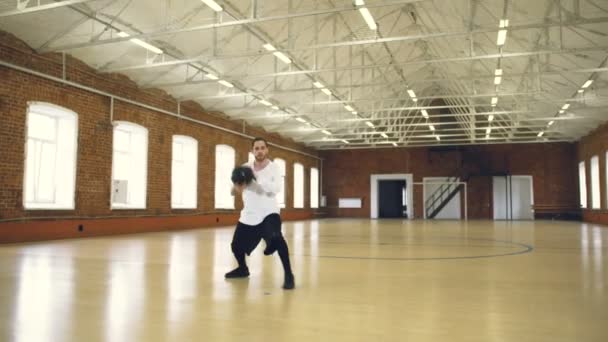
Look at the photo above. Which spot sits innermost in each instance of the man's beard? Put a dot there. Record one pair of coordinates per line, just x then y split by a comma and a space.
260, 160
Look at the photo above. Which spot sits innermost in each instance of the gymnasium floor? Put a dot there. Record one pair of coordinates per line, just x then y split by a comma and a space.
357, 280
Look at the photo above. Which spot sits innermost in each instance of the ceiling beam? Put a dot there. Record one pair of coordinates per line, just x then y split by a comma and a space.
373, 66
40, 8
232, 23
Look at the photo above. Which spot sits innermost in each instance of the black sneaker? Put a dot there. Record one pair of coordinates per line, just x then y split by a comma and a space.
289, 283
239, 272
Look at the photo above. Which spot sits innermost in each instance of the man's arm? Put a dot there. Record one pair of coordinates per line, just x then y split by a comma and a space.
237, 189
270, 186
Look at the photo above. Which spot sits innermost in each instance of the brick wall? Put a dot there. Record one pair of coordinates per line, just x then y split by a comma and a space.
95, 151
552, 166
595, 144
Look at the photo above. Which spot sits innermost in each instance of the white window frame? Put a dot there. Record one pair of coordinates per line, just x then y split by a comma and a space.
186, 142
132, 129
298, 201
223, 174
595, 183
283, 173
582, 180
314, 188
58, 201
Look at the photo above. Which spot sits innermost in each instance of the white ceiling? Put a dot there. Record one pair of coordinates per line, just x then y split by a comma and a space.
444, 50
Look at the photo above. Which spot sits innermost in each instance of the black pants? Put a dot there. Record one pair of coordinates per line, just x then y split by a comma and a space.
246, 238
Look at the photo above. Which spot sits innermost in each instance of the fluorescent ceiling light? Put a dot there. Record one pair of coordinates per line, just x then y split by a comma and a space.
318, 84
566, 106
301, 120
266, 103
502, 34
494, 101
282, 57
326, 132
561, 111
348, 108
225, 83
147, 46
424, 113
411, 93
345, 141
540, 134
269, 47
432, 128
211, 76
326, 91
369, 123
141, 43
275, 107
214, 5
491, 118
498, 72
354, 112
502, 37
497, 80
550, 123
488, 130
580, 91
394, 144
367, 16
437, 137
587, 84
384, 135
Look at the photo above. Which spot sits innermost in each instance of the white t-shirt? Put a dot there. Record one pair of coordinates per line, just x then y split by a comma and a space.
260, 197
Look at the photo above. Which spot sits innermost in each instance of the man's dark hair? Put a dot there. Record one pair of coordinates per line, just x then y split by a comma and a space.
259, 139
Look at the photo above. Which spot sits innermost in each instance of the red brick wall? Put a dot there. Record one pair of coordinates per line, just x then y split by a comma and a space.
95, 151
595, 144
552, 166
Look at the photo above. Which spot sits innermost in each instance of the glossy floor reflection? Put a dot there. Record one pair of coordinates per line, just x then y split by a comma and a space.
357, 280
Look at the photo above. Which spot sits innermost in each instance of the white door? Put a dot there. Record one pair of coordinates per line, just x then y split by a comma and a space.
513, 198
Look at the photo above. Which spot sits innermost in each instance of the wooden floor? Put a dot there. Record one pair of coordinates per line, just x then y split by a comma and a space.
357, 280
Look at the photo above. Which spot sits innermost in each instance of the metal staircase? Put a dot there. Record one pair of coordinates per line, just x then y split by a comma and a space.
442, 196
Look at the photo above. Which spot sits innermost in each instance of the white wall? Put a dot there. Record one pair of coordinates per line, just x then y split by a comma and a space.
452, 210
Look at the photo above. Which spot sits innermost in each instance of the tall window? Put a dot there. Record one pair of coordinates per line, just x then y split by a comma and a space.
50, 161
595, 183
282, 171
224, 163
582, 183
184, 170
314, 187
129, 166
298, 185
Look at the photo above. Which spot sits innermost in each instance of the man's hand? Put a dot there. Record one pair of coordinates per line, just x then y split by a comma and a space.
237, 189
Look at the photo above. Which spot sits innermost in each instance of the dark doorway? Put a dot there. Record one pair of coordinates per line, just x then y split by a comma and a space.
391, 199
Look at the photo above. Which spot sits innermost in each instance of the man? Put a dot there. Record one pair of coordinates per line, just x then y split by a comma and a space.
260, 215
